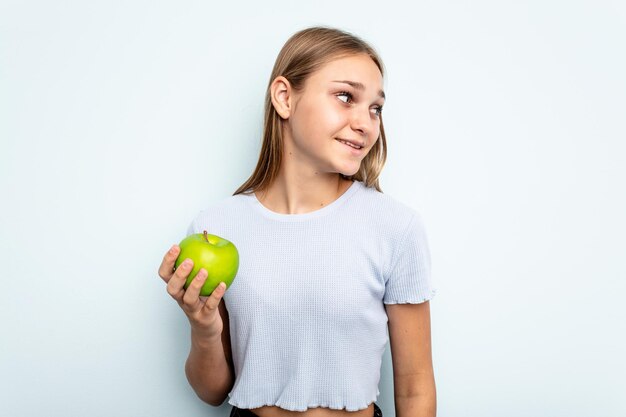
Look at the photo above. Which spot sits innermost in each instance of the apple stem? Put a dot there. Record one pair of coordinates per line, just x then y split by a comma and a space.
205, 236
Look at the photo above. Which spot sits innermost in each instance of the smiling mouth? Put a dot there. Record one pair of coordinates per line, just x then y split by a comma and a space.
352, 145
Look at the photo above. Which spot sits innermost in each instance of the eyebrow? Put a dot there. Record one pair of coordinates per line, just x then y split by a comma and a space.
358, 86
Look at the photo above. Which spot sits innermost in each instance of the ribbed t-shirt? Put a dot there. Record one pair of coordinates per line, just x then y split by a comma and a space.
308, 325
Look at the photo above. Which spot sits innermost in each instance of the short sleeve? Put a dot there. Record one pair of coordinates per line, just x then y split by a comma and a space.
192, 227
409, 280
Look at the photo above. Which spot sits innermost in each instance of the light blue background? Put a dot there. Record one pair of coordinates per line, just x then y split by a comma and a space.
120, 120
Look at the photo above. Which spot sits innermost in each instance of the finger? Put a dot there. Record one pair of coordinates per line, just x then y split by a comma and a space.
191, 298
177, 282
166, 269
216, 296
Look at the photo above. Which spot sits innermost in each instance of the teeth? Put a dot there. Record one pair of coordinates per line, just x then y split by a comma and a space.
350, 144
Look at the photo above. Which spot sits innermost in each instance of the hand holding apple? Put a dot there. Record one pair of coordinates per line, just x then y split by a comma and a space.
218, 256
203, 312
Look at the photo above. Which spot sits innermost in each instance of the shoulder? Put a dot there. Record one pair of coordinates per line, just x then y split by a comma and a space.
386, 210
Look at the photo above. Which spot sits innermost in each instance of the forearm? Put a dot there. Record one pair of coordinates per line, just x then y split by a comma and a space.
416, 406
208, 371
417, 399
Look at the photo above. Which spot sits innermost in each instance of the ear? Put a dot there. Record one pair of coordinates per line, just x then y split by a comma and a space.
282, 97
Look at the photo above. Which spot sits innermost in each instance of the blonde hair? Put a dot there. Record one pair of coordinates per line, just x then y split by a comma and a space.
304, 53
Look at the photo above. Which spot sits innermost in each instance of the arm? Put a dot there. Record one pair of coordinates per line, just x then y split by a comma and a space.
209, 367
413, 375
214, 355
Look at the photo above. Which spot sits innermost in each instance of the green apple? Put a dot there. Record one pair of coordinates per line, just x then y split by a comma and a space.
218, 256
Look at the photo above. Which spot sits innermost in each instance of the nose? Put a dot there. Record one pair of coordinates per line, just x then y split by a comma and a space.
361, 121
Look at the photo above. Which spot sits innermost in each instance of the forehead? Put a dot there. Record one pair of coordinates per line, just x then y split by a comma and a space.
358, 68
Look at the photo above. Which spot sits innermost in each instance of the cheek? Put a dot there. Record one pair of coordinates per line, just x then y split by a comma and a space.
332, 120
375, 137
319, 121
375, 129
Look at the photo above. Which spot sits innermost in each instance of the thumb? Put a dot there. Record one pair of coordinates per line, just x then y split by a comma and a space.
216, 296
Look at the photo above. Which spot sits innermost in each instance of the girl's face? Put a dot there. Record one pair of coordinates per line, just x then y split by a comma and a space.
340, 102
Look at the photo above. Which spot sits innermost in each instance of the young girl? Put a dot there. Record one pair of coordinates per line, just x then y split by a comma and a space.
328, 263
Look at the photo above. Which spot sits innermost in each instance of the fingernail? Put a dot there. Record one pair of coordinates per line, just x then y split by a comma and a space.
187, 263
222, 286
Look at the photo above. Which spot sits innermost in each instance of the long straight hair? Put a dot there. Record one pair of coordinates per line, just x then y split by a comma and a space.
303, 54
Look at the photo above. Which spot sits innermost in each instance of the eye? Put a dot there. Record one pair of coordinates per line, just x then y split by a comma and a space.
349, 95
345, 93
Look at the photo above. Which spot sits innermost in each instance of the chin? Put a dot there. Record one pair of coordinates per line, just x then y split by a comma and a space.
349, 172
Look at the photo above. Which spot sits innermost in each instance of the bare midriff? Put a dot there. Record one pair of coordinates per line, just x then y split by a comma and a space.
273, 411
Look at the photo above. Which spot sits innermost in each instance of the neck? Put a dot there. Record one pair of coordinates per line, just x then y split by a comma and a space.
299, 194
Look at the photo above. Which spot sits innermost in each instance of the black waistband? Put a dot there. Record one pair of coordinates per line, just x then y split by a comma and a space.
243, 412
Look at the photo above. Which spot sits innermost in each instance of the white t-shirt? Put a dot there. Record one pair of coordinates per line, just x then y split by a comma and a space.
308, 325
